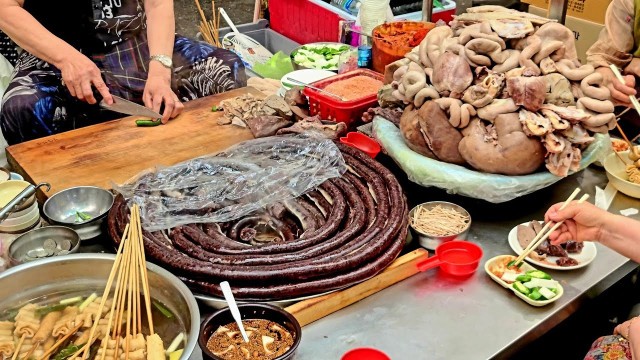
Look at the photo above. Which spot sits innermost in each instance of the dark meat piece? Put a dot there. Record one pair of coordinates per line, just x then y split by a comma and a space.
294, 97
556, 250
543, 248
391, 114
278, 104
248, 234
527, 91
573, 247
567, 261
525, 235
536, 226
263, 126
315, 127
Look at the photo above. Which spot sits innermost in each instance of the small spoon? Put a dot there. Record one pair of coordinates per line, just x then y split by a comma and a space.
231, 301
315, 88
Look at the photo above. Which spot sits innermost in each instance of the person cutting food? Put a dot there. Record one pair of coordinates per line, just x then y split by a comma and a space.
619, 45
586, 222
80, 50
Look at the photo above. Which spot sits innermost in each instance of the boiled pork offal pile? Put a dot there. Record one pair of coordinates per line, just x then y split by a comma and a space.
500, 91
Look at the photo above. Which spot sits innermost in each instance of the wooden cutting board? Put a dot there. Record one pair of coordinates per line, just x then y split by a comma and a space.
115, 151
308, 311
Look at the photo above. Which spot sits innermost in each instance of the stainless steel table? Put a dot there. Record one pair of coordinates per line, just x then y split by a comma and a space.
475, 318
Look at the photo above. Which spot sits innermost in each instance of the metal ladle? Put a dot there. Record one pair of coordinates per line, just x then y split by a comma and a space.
20, 199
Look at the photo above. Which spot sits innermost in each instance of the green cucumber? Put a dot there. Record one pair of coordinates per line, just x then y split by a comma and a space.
520, 288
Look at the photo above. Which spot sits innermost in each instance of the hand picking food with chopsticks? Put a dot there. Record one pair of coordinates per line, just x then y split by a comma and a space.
124, 323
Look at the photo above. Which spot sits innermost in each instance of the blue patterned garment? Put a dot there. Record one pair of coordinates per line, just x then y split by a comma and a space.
36, 104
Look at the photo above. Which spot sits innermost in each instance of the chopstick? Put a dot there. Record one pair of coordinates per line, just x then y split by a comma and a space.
530, 247
633, 99
546, 236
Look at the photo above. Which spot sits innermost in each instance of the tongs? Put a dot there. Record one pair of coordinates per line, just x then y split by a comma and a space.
20, 199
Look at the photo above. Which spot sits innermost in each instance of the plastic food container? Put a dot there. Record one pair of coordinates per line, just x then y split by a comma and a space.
330, 108
392, 41
365, 354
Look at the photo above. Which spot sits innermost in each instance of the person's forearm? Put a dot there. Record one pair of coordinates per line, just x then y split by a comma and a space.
29, 34
622, 234
160, 33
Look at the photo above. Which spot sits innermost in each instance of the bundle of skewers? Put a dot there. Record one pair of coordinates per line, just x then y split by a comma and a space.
106, 328
210, 29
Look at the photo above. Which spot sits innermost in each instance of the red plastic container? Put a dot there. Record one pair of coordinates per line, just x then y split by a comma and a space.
457, 258
362, 142
333, 109
365, 354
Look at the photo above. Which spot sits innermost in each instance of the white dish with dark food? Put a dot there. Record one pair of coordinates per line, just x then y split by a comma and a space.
571, 255
533, 286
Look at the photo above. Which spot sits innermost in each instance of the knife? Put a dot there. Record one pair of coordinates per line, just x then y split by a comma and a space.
129, 107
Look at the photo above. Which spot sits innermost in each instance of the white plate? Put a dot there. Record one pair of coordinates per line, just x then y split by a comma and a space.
307, 76
589, 252
525, 267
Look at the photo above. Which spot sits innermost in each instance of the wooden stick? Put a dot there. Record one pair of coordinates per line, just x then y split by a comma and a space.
530, 247
18, 347
60, 341
122, 300
256, 10
633, 99
105, 295
554, 228
403, 267
33, 348
620, 157
145, 278
624, 136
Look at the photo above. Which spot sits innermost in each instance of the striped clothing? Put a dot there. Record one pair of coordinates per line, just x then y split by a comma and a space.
36, 104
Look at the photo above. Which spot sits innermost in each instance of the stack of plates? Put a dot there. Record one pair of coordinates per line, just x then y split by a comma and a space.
26, 215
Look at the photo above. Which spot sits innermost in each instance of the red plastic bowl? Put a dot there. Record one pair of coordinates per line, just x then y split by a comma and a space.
457, 258
362, 142
365, 354
333, 109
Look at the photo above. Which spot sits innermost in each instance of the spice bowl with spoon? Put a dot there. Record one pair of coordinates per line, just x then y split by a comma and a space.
437, 222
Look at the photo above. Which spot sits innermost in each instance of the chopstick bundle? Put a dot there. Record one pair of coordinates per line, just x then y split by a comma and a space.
210, 29
542, 236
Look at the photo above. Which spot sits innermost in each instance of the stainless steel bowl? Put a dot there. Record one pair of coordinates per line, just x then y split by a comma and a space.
90, 271
34, 241
61, 209
431, 242
297, 66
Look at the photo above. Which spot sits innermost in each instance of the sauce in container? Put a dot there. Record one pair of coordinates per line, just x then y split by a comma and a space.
391, 41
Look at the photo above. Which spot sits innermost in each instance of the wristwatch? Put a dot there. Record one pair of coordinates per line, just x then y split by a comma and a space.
164, 60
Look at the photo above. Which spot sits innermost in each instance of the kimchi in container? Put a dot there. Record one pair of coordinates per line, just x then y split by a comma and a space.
391, 41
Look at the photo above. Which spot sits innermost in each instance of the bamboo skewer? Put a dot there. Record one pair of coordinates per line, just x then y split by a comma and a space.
554, 228
33, 348
530, 247
143, 269
61, 341
105, 295
18, 347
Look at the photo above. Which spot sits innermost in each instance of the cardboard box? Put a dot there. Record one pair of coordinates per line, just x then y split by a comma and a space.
591, 10
586, 32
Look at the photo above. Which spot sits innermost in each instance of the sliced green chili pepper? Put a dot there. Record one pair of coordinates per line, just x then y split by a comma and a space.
215, 108
83, 216
67, 352
166, 312
49, 309
148, 122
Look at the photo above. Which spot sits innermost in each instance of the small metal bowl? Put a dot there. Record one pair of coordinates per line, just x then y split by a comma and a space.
43, 243
61, 209
431, 242
250, 311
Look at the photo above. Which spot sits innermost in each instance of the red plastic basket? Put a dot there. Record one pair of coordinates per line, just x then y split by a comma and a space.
303, 21
330, 108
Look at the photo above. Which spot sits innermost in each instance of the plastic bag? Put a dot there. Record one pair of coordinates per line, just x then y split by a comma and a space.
457, 179
276, 67
229, 185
